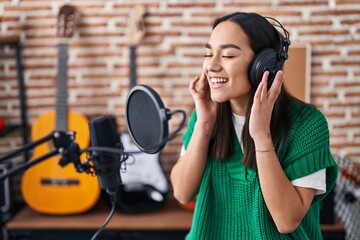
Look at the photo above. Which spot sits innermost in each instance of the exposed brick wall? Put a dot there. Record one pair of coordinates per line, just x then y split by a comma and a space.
169, 56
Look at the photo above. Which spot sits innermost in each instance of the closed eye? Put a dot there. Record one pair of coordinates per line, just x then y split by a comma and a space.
208, 55
227, 56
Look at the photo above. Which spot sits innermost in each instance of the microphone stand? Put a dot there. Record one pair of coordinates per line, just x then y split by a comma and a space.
64, 143
97, 164
61, 141
66, 146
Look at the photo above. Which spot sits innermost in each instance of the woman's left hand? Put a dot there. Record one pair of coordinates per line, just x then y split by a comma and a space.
261, 111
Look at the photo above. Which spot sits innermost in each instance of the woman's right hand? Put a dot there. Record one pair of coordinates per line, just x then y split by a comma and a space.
206, 109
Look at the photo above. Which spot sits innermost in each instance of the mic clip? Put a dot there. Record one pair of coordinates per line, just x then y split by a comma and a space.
72, 154
62, 140
70, 151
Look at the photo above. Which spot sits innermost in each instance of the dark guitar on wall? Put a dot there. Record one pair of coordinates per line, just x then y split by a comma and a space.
135, 33
47, 187
144, 184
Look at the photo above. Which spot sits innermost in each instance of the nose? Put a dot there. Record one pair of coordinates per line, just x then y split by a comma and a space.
213, 68
213, 65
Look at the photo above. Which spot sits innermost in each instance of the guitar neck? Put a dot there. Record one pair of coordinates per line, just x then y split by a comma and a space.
135, 32
61, 99
132, 73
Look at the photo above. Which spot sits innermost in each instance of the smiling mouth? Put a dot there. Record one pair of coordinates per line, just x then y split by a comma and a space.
217, 81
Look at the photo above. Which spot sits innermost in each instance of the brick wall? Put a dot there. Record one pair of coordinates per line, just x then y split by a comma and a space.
169, 56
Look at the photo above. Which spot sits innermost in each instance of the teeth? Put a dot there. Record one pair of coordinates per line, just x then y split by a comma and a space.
219, 80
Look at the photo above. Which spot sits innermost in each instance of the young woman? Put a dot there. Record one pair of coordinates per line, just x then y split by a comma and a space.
256, 159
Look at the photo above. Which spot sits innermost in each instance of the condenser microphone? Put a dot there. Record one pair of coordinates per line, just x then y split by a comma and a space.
147, 119
106, 164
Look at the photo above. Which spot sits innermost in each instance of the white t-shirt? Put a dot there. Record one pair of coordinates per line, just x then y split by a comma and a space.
315, 180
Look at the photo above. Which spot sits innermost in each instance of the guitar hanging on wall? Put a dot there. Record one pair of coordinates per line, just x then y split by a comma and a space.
135, 33
47, 187
144, 184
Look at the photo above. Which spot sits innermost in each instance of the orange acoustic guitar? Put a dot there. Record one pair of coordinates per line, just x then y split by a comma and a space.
47, 187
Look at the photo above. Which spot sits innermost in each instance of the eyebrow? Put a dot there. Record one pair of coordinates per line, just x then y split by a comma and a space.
224, 46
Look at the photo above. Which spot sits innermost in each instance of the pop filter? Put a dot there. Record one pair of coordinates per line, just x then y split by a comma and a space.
147, 119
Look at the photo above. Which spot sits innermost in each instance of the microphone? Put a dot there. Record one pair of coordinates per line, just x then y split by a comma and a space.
147, 119
106, 164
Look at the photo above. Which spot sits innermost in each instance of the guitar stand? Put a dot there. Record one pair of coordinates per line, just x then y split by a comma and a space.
15, 43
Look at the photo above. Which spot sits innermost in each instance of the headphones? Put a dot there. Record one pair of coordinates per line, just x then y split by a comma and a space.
269, 59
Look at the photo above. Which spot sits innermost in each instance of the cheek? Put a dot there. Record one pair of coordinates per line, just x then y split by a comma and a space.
247, 86
242, 85
204, 66
240, 70
242, 79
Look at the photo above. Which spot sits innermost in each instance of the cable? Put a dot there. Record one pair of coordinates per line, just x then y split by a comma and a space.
112, 196
109, 150
181, 123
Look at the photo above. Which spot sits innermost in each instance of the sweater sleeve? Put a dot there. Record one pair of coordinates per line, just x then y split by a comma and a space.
308, 149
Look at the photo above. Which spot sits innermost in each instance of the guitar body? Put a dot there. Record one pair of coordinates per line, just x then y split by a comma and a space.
144, 183
51, 189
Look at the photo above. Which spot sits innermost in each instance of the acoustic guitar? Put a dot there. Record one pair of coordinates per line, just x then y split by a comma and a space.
47, 187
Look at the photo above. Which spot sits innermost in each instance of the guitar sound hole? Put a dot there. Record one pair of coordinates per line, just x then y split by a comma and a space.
59, 182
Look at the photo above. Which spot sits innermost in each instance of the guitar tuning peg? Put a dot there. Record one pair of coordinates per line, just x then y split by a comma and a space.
135, 30
140, 9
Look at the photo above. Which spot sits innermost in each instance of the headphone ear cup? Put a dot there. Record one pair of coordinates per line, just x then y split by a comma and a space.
266, 60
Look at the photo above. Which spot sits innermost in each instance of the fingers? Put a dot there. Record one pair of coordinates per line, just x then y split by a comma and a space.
192, 86
199, 84
264, 84
263, 94
278, 79
261, 91
275, 89
202, 84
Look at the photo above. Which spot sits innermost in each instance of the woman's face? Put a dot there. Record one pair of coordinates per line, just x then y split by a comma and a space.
228, 55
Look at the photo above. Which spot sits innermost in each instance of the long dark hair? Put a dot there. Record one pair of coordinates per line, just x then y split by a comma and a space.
261, 34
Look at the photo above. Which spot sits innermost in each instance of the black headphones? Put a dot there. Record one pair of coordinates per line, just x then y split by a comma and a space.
269, 59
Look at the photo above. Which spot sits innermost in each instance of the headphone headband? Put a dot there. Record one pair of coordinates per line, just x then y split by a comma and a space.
270, 59
284, 39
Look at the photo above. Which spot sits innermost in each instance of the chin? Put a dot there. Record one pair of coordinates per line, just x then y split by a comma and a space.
218, 99
219, 95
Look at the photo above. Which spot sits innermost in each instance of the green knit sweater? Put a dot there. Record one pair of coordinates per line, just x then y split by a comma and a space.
230, 204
